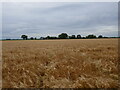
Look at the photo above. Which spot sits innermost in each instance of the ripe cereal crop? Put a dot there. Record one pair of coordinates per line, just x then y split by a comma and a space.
67, 63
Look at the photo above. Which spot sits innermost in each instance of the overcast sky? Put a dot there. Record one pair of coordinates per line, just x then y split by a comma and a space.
51, 18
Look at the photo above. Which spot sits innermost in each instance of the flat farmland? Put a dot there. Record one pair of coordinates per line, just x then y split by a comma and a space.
79, 63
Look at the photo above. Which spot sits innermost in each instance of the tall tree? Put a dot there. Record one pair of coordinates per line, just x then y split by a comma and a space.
24, 37
31, 38
48, 37
73, 37
78, 36
35, 38
63, 36
100, 36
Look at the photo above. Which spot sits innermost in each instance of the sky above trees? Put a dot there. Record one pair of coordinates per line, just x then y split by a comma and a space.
38, 19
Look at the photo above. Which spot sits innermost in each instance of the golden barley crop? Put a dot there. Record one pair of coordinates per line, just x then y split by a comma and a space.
80, 63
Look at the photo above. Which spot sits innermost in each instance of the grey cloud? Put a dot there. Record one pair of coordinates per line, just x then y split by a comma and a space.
54, 18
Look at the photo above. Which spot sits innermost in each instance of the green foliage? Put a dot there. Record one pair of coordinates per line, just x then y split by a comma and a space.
79, 36
72, 37
48, 37
91, 36
31, 38
100, 36
25, 37
63, 36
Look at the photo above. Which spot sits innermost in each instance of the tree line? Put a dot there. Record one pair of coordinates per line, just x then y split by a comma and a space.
64, 36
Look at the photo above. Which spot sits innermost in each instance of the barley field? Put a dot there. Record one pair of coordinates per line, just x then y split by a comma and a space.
79, 63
